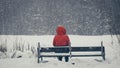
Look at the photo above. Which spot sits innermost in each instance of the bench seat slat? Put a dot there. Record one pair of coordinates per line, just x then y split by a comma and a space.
71, 56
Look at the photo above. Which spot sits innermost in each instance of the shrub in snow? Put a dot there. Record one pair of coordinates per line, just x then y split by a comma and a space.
20, 54
3, 55
3, 48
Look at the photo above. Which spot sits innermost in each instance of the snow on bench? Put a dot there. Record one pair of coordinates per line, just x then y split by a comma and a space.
85, 51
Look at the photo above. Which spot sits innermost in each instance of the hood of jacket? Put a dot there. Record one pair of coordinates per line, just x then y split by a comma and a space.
61, 30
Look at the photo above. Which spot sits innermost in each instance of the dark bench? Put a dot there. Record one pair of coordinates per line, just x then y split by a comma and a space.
100, 49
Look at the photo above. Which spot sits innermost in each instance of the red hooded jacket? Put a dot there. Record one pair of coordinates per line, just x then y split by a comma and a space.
61, 39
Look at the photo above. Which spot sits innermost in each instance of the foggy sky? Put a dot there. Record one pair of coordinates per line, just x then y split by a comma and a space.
41, 17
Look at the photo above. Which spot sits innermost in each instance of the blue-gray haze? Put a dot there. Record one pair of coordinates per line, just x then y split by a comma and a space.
41, 17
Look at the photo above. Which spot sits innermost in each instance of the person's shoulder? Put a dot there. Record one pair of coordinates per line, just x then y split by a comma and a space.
57, 36
66, 35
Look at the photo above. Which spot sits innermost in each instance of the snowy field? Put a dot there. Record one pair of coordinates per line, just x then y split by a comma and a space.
20, 52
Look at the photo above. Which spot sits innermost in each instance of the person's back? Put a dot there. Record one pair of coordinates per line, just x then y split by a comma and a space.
61, 39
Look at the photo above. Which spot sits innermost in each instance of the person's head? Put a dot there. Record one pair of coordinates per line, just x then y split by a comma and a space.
60, 30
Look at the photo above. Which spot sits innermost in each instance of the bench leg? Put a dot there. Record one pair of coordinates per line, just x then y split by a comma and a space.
41, 59
102, 51
103, 54
103, 57
38, 60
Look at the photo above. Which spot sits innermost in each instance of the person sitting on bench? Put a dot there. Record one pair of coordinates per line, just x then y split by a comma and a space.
61, 39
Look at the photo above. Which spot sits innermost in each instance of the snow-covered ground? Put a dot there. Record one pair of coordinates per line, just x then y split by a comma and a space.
21, 52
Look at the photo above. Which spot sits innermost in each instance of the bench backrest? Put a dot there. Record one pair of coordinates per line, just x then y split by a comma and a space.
73, 49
